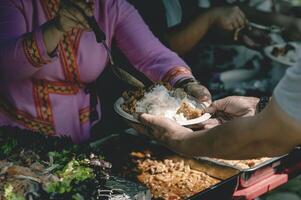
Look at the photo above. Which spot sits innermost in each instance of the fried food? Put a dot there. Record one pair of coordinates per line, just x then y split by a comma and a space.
243, 164
171, 180
282, 51
130, 100
189, 112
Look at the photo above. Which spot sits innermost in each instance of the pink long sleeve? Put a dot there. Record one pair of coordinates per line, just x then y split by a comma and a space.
144, 50
22, 50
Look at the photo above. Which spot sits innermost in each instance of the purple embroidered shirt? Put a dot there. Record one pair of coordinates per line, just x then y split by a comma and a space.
41, 93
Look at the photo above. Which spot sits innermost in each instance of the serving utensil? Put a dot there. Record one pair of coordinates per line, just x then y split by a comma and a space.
101, 38
272, 31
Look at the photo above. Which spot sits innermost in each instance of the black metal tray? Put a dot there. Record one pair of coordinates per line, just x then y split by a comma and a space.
115, 152
254, 174
231, 178
259, 172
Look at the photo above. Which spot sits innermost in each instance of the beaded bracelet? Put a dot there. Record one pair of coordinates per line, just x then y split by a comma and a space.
263, 101
183, 83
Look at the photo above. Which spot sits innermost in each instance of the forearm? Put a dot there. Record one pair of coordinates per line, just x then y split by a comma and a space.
235, 141
184, 37
270, 133
225, 141
145, 52
262, 149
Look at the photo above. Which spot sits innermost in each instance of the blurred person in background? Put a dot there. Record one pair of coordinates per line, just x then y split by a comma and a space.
203, 32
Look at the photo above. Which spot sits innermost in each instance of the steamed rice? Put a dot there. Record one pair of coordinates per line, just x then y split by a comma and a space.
160, 101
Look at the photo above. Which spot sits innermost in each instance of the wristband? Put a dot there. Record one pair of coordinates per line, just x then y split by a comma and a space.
183, 83
263, 101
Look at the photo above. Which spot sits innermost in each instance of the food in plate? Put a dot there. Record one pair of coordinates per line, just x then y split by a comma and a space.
281, 51
163, 101
286, 52
170, 180
241, 164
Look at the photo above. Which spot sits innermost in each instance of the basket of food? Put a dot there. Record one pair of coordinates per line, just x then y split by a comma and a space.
164, 101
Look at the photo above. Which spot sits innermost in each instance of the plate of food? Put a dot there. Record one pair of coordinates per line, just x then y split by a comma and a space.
285, 54
163, 101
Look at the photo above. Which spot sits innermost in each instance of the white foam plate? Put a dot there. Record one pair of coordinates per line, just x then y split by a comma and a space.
280, 59
122, 113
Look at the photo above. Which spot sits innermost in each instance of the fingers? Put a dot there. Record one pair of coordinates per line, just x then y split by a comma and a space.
217, 106
220, 105
243, 17
148, 119
211, 123
74, 13
207, 127
229, 26
196, 126
240, 22
67, 21
200, 92
86, 7
239, 19
212, 109
230, 18
139, 128
236, 24
153, 126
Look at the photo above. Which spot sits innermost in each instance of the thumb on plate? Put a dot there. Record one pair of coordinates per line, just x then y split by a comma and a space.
147, 119
142, 117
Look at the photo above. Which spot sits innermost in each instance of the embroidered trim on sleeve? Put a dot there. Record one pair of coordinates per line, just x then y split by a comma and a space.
176, 71
25, 119
32, 51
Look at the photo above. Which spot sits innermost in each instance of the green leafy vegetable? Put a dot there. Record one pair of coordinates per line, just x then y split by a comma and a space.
9, 193
7, 148
74, 172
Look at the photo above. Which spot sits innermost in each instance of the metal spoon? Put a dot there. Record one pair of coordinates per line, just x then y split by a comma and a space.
121, 73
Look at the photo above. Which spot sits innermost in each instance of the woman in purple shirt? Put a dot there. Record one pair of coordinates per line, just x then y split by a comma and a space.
48, 56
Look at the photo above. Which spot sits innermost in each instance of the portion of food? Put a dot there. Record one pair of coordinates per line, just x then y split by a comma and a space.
167, 175
242, 164
189, 111
173, 104
130, 99
281, 51
170, 180
287, 53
